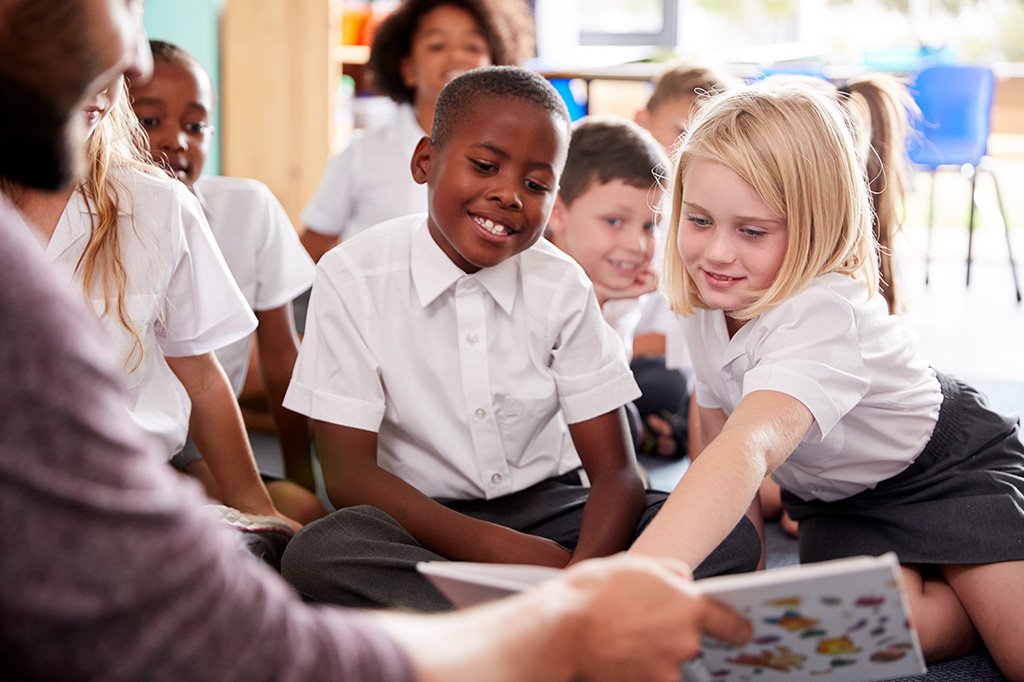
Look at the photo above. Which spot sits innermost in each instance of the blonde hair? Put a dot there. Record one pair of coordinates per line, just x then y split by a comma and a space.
118, 142
794, 145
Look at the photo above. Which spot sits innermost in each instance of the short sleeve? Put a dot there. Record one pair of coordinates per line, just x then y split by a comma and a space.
204, 309
588, 359
336, 377
812, 352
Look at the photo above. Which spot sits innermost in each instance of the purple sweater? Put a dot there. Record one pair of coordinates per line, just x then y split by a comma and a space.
109, 570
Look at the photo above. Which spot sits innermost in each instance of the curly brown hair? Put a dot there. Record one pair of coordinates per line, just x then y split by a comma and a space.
507, 26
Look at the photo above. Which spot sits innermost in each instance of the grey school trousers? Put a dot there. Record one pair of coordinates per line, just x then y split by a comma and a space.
361, 557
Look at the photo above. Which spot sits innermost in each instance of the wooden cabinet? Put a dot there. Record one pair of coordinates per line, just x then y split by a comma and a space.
278, 75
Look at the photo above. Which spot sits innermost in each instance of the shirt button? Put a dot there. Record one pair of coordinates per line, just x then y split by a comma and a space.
495, 479
472, 337
480, 413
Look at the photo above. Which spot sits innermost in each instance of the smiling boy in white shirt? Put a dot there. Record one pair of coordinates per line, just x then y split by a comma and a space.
459, 372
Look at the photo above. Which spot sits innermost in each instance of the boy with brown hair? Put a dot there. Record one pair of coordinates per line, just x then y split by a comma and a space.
667, 112
606, 218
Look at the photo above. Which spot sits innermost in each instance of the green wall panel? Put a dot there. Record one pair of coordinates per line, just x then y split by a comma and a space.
195, 26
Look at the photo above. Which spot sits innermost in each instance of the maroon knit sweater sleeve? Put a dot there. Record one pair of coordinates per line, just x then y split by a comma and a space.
110, 570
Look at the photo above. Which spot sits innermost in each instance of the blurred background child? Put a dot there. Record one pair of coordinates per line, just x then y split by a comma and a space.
138, 245
417, 49
880, 106
676, 90
606, 217
258, 242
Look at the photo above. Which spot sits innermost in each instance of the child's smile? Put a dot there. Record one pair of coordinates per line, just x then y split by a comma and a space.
609, 230
448, 42
492, 186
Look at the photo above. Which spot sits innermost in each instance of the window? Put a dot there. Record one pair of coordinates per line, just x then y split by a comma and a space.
628, 22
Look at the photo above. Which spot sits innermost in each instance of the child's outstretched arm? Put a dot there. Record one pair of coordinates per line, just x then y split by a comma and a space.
616, 497
719, 485
348, 458
217, 428
278, 347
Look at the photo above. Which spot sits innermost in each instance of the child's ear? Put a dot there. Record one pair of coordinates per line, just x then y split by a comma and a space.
422, 159
405, 72
556, 222
642, 118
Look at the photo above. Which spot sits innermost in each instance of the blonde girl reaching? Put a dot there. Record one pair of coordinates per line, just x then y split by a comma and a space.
137, 244
802, 374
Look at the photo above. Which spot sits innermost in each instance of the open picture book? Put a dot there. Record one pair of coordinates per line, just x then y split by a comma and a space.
842, 621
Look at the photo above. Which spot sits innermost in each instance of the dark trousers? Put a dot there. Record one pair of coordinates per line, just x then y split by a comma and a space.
361, 557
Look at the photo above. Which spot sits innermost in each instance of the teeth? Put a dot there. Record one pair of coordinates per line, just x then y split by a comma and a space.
625, 265
490, 225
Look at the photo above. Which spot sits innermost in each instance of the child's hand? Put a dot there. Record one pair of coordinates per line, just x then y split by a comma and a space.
512, 547
645, 282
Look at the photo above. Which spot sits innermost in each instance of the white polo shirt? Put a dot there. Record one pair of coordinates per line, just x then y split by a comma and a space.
179, 294
262, 251
875, 401
469, 380
370, 181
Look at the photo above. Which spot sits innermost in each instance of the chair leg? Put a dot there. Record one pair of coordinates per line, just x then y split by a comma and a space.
931, 221
1006, 228
970, 223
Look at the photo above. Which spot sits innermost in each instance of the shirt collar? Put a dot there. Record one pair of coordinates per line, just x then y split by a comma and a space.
433, 272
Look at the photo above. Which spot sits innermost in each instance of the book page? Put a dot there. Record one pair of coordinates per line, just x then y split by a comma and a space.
842, 621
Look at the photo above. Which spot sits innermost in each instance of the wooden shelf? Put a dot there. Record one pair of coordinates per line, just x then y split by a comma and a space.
278, 75
350, 54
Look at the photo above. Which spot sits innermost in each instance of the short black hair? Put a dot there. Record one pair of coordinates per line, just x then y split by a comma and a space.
492, 82
507, 26
605, 148
169, 52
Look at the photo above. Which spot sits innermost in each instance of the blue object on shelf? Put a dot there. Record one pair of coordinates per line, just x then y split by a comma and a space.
955, 103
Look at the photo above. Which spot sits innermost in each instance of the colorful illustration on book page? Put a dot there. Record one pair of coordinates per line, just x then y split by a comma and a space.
839, 628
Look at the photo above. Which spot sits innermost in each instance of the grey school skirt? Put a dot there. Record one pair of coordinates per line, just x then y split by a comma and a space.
960, 502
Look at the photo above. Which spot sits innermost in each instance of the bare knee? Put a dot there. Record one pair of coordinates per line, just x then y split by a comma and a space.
943, 626
296, 502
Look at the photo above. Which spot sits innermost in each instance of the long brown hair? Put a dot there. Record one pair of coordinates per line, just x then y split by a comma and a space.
888, 105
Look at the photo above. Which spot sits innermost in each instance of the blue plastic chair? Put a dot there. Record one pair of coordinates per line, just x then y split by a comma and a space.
574, 94
952, 131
